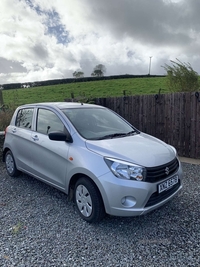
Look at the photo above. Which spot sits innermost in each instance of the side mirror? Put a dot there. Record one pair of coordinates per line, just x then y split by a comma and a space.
60, 136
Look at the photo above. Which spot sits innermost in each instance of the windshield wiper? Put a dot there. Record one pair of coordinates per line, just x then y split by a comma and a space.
110, 136
132, 132
114, 135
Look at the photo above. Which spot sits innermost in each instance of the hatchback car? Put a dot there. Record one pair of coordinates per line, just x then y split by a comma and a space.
94, 155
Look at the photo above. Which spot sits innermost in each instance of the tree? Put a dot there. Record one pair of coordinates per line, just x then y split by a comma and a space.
99, 70
181, 77
78, 74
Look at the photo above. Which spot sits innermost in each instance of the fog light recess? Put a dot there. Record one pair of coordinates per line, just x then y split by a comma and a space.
128, 201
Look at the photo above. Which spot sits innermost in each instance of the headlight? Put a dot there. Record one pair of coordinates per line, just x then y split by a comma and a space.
126, 170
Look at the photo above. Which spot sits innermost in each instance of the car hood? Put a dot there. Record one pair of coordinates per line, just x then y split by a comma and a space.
141, 149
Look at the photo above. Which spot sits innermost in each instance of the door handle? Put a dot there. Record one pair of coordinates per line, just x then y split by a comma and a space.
35, 138
14, 130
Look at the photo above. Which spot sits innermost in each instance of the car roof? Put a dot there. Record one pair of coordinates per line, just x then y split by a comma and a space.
61, 105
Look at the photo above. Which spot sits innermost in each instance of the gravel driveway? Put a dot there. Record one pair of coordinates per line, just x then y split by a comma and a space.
39, 227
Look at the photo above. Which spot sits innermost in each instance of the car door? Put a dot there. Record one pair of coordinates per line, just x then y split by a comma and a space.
49, 157
21, 138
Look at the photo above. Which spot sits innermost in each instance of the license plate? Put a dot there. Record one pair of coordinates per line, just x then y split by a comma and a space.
167, 184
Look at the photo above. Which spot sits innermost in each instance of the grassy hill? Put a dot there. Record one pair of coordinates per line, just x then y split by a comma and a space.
93, 89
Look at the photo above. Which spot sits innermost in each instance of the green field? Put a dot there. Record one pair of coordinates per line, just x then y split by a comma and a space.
85, 90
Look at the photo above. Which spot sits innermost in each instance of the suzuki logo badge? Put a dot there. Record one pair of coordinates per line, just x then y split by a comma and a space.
167, 170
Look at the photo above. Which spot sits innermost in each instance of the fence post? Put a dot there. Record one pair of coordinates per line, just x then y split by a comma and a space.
1, 97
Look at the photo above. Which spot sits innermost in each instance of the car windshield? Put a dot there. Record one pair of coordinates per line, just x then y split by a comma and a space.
98, 123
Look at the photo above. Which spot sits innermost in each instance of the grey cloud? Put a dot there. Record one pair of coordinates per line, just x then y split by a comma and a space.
154, 22
40, 51
9, 66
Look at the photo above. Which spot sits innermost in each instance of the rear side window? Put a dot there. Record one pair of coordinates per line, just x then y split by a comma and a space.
24, 118
48, 121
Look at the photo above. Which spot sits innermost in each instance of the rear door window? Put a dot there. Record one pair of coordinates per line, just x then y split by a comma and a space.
24, 118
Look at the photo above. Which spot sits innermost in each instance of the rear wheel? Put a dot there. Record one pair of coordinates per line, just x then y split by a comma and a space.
10, 164
88, 200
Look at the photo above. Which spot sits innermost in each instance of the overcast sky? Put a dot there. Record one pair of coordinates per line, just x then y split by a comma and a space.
50, 39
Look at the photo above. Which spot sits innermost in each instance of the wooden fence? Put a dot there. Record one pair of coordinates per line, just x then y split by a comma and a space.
173, 118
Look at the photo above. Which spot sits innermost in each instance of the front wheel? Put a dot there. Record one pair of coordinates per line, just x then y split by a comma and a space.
88, 200
10, 164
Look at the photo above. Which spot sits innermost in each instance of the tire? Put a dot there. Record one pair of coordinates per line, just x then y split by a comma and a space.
88, 201
10, 164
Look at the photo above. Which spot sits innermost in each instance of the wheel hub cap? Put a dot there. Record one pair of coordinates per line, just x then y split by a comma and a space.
83, 200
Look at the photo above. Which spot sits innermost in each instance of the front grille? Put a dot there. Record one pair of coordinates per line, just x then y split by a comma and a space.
155, 174
157, 198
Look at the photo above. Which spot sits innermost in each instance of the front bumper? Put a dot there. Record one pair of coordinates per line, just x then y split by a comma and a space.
132, 198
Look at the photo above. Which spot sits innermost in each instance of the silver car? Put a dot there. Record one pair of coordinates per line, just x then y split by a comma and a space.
93, 155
